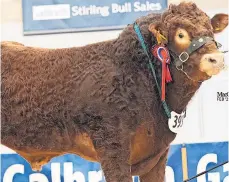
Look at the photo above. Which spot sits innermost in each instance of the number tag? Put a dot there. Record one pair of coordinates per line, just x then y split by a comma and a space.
176, 121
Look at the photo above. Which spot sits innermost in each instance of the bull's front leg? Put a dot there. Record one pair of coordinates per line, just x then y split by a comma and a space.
157, 174
113, 150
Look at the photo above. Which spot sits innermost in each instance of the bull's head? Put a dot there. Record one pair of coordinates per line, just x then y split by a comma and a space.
189, 34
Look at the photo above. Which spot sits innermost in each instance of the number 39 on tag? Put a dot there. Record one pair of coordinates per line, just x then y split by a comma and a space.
176, 121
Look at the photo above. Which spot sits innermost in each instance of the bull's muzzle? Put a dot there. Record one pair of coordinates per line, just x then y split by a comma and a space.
212, 63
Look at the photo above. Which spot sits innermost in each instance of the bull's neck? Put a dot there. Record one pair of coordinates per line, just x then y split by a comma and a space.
180, 91
131, 56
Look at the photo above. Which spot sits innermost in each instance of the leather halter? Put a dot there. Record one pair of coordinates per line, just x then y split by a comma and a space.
196, 43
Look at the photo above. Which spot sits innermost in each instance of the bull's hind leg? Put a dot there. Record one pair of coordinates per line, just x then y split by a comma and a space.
114, 154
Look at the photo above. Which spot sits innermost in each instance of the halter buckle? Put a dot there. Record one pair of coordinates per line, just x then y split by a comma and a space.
180, 67
183, 57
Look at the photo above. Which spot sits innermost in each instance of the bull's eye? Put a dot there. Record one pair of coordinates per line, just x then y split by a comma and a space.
182, 39
181, 35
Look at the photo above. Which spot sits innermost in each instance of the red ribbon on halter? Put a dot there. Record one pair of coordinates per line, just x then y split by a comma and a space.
162, 54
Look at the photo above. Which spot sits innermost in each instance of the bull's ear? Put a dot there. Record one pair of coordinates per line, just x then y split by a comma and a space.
219, 22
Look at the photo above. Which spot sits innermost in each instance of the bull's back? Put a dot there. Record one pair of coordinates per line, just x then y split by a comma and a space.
43, 88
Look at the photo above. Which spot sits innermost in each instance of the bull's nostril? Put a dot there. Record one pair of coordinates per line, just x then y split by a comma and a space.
212, 60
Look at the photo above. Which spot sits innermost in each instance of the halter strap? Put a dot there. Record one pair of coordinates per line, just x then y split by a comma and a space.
195, 45
152, 68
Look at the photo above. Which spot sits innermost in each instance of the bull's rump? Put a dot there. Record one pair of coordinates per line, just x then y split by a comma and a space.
31, 94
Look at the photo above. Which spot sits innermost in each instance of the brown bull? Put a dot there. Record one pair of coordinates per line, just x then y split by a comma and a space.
99, 101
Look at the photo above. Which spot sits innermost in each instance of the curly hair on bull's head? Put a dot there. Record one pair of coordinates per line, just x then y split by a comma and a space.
187, 16
182, 23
